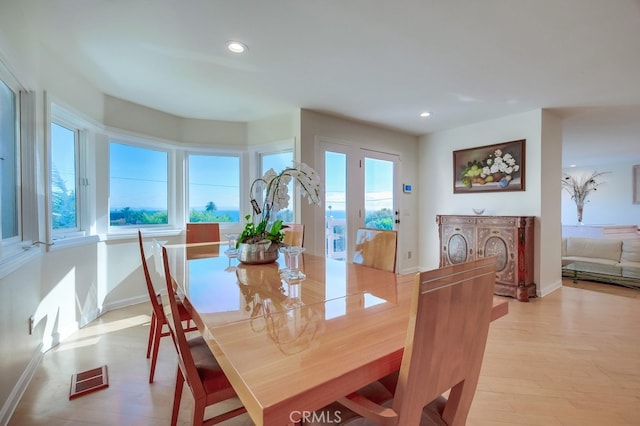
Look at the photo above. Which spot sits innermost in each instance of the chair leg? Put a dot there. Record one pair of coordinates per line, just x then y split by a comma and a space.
198, 412
156, 346
177, 396
459, 403
152, 330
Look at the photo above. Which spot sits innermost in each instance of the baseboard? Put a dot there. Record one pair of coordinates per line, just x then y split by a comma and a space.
412, 270
550, 288
117, 304
21, 386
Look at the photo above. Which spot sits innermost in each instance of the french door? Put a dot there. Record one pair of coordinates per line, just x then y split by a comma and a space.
360, 187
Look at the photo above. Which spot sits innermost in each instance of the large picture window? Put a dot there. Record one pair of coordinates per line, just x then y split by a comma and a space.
138, 185
214, 188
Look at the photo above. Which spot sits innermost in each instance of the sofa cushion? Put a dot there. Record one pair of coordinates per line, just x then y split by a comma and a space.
594, 248
592, 260
630, 250
631, 270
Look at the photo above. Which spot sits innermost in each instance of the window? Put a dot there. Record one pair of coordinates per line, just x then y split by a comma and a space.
138, 185
64, 180
9, 194
214, 188
279, 161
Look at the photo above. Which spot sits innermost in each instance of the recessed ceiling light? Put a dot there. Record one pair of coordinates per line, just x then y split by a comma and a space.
236, 47
425, 114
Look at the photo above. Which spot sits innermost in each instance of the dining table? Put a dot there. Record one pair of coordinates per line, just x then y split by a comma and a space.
292, 346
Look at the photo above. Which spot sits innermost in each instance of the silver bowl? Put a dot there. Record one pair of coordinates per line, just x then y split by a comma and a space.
258, 253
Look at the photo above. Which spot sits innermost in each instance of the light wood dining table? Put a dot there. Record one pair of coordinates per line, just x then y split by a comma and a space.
289, 348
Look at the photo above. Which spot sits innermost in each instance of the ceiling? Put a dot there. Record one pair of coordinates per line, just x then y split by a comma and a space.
376, 61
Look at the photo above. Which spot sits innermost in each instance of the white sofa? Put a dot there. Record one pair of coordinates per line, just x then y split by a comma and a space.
621, 256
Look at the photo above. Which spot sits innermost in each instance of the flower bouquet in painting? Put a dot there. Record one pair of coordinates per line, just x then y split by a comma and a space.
491, 168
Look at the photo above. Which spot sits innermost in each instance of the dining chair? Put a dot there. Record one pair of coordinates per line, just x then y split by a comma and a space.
376, 248
158, 319
197, 366
445, 344
294, 234
203, 232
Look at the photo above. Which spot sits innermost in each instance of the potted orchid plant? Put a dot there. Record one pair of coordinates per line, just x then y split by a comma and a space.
262, 232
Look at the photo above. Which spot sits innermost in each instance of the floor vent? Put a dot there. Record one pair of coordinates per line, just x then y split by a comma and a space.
88, 381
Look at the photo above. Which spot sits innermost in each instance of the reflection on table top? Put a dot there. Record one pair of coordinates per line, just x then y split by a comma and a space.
223, 290
297, 346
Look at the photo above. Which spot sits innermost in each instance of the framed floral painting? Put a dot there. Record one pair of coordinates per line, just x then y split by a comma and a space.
490, 168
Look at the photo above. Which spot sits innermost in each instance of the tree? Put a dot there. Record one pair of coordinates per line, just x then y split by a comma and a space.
380, 219
63, 202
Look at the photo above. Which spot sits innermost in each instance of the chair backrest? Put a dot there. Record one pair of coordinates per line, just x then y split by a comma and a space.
448, 328
185, 358
203, 232
157, 308
294, 234
376, 248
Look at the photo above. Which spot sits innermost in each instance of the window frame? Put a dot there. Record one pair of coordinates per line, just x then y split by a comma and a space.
173, 183
82, 182
6, 244
17, 251
86, 130
224, 226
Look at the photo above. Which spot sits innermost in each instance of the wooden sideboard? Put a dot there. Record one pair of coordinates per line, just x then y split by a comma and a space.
509, 238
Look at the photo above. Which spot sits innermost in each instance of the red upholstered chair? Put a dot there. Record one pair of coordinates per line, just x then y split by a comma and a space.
197, 366
158, 319
203, 232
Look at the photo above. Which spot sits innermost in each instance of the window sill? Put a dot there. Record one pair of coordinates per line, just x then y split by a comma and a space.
129, 233
64, 243
17, 258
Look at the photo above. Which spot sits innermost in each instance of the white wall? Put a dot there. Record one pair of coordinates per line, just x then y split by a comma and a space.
276, 128
611, 203
47, 286
435, 186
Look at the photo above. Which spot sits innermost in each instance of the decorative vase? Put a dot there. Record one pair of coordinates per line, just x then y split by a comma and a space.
580, 207
258, 253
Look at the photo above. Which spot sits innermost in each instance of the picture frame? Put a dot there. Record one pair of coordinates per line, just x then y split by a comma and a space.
491, 168
636, 184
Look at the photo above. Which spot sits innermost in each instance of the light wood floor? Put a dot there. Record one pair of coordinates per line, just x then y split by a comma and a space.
571, 358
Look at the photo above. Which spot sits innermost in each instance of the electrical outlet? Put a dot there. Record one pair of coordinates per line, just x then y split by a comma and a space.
408, 255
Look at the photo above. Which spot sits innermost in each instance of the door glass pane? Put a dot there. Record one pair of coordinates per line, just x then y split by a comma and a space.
63, 177
336, 204
378, 193
214, 188
138, 185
